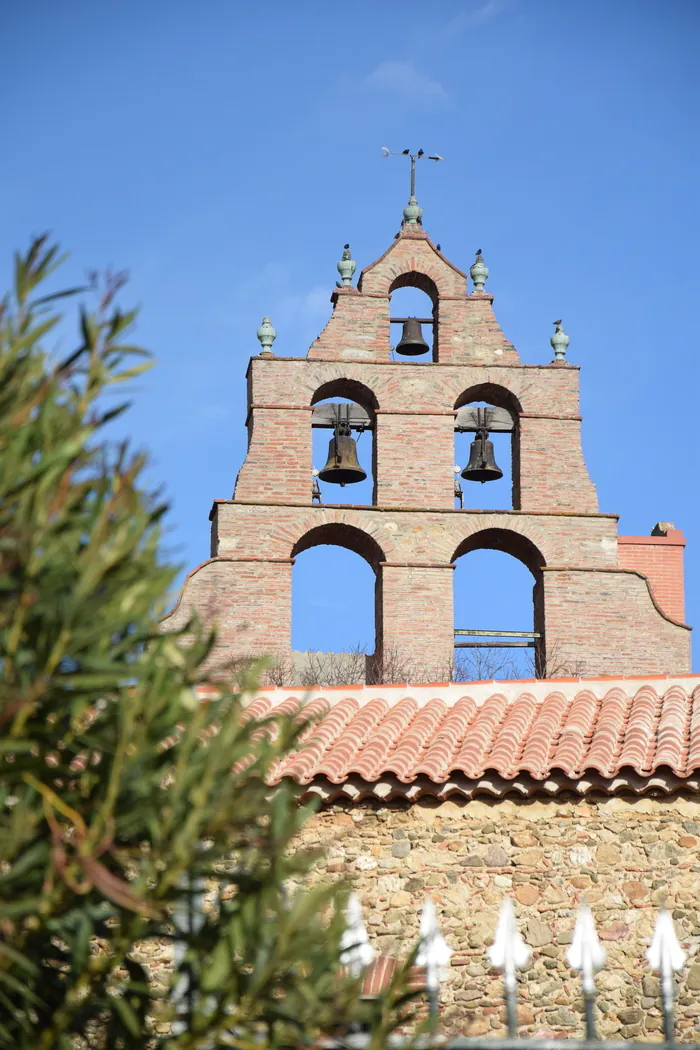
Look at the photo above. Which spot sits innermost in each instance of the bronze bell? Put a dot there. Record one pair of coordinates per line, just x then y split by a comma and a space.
342, 466
482, 466
412, 341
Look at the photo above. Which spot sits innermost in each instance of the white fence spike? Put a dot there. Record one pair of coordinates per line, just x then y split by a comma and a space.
508, 951
665, 954
433, 951
586, 953
666, 957
356, 951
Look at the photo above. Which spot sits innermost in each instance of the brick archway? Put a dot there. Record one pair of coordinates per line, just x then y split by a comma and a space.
338, 534
408, 259
500, 397
494, 394
349, 388
360, 394
416, 279
507, 541
520, 547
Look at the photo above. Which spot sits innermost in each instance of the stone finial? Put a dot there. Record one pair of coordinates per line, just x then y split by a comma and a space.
412, 213
559, 341
267, 335
347, 265
479, 272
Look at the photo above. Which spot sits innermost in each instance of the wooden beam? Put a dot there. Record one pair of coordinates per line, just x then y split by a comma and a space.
494, 645
420, 320
500, 420
500, 634
324, 416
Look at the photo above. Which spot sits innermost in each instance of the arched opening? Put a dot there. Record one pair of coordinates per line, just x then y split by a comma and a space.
499, 605
487, 449
336, 606
414, 296
344, 408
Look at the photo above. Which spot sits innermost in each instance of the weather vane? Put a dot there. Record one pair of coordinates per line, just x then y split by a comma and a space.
414, 159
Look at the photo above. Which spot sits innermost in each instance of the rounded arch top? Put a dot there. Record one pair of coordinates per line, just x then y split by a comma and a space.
494, 394
415, 279
410, 259
351, 389
339, 534
507, 541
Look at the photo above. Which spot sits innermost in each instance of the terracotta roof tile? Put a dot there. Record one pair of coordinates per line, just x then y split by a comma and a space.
437, 748
546, 728
640, 731
575, 733
343, 756
382, 743
379, 973
672, 732
422, 735
694, 736
472, 756
378, 976
512, 735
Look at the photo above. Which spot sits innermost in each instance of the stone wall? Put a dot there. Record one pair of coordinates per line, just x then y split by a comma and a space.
626, 857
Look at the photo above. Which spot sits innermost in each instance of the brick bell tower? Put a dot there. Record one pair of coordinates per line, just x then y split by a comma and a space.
607, 604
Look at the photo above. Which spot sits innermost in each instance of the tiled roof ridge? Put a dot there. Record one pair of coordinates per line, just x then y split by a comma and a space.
334, 693
554, 731
523, 786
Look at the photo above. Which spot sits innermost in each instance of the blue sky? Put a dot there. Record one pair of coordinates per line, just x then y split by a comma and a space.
224, 152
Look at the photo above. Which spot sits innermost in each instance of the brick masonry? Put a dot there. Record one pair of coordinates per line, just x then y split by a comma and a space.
599, 617
660, 559
606, 604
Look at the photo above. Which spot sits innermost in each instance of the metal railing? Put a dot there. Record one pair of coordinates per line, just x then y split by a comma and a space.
533, 635
510, 954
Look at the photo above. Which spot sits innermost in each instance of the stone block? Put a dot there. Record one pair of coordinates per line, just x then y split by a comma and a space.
537, 933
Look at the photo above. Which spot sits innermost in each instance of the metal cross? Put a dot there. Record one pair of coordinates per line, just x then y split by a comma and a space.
414, 157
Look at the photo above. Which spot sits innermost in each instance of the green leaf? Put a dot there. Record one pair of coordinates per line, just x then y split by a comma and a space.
14, 984
18, 958
17, 908
15, 747
67, 292
130, 774
80, 944
219, 969
126, 1014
